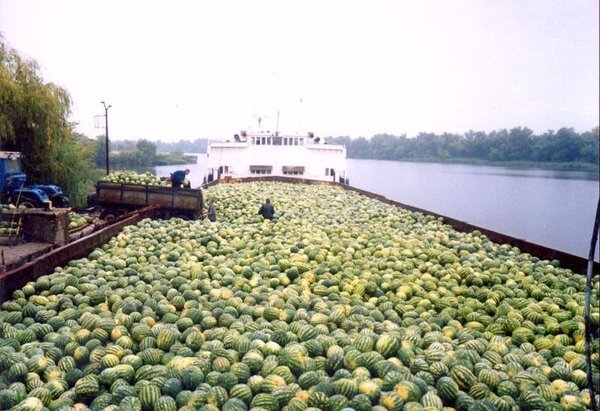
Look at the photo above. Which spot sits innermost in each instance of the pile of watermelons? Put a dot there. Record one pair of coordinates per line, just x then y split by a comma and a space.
343, 303
132, 177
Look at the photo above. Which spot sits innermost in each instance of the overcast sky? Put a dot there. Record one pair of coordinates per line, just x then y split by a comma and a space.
206, 69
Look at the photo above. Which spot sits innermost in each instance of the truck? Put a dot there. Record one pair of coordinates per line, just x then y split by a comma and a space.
116, 199
14, 188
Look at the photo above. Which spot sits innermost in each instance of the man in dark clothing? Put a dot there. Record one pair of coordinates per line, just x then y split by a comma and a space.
267, 210
212, 211
7, 195
178, 177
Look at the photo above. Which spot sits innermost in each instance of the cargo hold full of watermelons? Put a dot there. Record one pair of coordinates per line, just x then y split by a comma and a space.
341, 302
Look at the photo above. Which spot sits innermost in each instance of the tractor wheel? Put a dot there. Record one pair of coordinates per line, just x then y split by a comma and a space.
29, 203
60, 201
109, 215
92, 200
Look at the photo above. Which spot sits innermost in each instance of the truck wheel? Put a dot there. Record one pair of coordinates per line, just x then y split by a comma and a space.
60, 201
29, 203
92, 200
109, 215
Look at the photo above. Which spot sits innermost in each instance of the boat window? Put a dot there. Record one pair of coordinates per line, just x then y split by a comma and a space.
293, 170
263, 140
12, 166
260, 169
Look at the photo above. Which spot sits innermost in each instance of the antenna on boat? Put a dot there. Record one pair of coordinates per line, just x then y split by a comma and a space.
300, 108
277, 124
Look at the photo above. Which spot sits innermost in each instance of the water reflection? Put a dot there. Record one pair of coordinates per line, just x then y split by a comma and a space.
533, 173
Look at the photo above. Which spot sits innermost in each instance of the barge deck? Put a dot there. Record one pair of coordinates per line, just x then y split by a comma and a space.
29, 261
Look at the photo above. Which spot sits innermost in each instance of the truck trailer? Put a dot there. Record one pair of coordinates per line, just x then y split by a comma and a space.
116, 199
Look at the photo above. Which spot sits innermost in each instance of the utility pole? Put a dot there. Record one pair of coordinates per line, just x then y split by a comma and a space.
106, 132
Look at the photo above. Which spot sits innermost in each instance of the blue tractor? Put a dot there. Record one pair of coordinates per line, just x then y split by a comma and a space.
15, 191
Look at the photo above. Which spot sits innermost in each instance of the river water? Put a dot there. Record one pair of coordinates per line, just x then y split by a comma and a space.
551, 208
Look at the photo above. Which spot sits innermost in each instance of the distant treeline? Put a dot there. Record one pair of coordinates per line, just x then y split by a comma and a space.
515, 145
126, 154
197, 146
564, 148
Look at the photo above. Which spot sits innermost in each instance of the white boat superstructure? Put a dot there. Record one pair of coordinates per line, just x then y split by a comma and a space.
275, 154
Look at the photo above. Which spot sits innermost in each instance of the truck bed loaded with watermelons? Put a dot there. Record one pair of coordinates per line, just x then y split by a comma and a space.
343, 302
121, 192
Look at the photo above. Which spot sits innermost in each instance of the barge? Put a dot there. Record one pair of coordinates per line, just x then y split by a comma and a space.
383, 288
26, 262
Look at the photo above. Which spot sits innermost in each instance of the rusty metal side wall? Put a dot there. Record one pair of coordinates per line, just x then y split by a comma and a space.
161, 198
135, 195
129, 194
188, 200
142, 195
109, 192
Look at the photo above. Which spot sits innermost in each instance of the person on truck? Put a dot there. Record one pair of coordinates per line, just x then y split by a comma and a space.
179, 177
7, 193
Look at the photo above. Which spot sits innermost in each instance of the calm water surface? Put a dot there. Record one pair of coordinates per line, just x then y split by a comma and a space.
552, 208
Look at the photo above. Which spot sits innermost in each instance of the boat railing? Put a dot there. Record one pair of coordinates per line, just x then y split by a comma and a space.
276, 141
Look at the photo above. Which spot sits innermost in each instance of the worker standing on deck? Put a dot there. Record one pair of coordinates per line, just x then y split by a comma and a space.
179, 177
267, 210
211, 214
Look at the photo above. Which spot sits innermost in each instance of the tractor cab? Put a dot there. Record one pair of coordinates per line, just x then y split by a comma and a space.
14, 189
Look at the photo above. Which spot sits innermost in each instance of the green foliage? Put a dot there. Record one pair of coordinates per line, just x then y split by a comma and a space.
147, 150
517, 145
34, 113
74, 171
34, 121
128, 155
183, 146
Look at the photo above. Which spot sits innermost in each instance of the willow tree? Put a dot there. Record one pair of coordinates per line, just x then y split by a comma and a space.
34, 121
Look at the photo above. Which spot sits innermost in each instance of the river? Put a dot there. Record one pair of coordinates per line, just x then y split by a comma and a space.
551, 208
